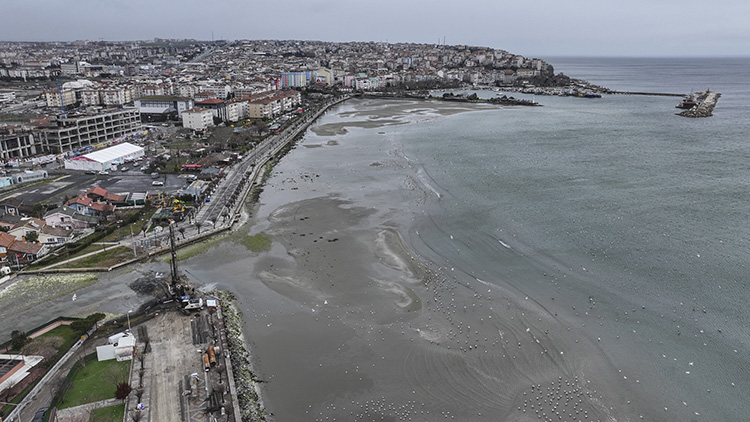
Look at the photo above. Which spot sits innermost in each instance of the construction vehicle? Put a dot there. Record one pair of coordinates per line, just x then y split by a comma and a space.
189, 304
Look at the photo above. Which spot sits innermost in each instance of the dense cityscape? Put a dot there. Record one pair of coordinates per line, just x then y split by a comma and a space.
50, 86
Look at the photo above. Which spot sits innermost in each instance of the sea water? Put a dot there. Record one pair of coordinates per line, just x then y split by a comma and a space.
621, 203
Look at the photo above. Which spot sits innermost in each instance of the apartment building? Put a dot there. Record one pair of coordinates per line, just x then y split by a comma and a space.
294, 79
188, 91
90, 97
106, 96
197, 118
236, 110
116, 96
77, 132
217, 106
53, 97
263, 109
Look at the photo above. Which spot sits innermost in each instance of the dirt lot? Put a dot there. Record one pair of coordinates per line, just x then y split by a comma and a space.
175, 383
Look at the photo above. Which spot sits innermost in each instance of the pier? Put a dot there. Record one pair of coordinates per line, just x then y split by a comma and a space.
705, 108
658, 94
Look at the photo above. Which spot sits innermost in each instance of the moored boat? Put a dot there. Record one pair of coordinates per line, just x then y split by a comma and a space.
688, 102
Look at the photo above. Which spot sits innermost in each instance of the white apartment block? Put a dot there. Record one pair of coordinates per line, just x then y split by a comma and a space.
116, 96
197, 118
222, 91
236, 110
90, 97
106, 96
73, 133
188, 91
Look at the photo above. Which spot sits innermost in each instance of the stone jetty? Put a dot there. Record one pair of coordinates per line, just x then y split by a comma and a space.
705, 108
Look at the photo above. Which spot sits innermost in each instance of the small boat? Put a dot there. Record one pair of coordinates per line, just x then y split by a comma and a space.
688, 102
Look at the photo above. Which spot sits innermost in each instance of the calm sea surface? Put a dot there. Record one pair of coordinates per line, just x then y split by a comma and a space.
618, 217
640, 210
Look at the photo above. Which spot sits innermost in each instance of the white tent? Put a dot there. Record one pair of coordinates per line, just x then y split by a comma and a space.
106, 158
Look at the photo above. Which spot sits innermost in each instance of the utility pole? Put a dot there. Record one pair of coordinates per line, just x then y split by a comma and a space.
132, 241
173, 249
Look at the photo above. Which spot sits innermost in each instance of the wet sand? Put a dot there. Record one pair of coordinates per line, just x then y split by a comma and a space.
395, 112
367, 331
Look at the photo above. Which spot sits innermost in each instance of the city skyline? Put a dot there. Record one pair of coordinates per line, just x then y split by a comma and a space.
575, 28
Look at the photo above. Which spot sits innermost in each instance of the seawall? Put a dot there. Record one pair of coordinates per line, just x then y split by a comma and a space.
705, 108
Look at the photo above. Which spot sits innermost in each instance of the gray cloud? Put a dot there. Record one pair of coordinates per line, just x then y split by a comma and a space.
545, 27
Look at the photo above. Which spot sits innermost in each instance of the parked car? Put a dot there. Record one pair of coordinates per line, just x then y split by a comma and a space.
39, 415
103, 172
157, 183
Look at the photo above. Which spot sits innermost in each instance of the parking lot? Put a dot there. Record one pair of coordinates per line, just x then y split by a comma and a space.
71, 183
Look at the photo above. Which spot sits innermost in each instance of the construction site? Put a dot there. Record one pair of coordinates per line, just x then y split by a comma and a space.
180, 367
183, 369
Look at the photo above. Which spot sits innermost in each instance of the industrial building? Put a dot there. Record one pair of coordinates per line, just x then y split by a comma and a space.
162, 107
106, 158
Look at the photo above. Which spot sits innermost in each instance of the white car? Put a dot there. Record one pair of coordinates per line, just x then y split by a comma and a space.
157, 183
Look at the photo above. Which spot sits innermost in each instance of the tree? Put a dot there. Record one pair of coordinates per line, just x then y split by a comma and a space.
182, 232
122, 391
198, 224
260, 127
38, 210
18, 339
83, 325
32, 236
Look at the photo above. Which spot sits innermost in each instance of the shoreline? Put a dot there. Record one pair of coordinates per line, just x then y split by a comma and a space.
344, 324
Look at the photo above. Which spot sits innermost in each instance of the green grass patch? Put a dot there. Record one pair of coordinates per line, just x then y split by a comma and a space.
94, 381
108, 414
257, 243
68, 335
194, 249
108, 258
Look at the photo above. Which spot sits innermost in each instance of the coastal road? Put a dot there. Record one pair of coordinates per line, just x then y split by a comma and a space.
222, 202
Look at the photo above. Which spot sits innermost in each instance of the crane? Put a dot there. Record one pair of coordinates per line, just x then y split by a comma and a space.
63, 113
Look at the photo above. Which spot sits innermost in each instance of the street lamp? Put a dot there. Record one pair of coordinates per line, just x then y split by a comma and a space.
129, 319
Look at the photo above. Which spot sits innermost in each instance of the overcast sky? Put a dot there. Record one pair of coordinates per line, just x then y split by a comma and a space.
534, 29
